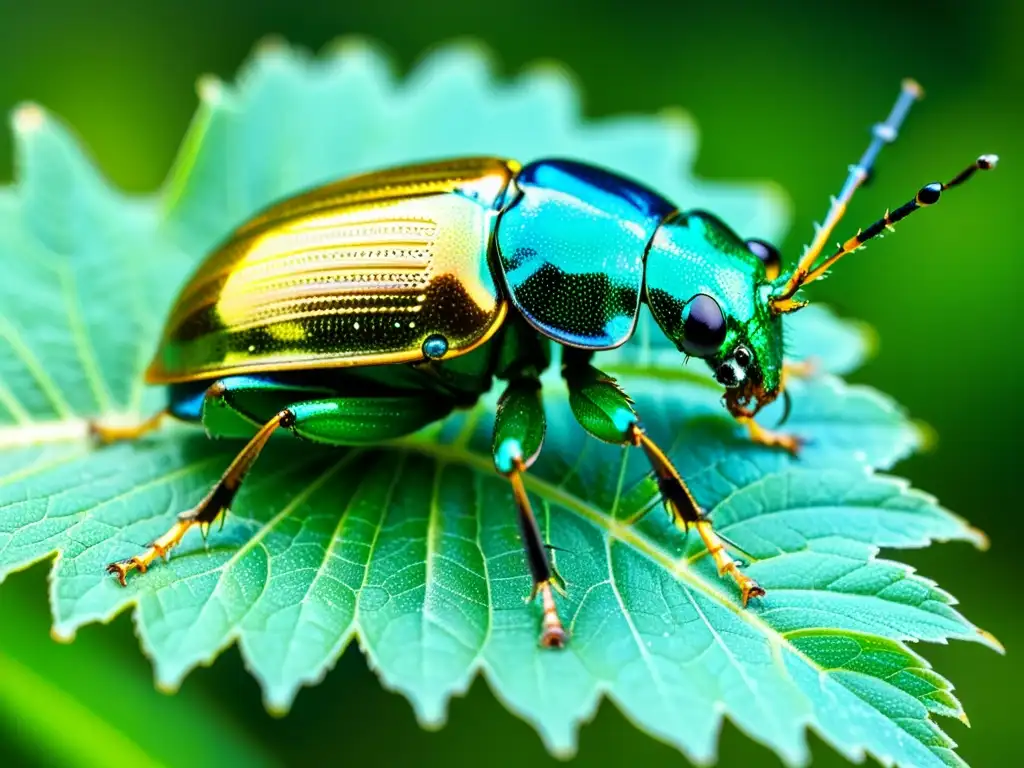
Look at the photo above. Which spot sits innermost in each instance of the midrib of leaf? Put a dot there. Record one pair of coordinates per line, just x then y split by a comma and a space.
68, 728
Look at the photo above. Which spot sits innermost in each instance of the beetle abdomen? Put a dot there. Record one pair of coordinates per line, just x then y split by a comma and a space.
366, 271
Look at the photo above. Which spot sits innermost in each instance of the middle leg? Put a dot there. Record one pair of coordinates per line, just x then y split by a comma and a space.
518, 435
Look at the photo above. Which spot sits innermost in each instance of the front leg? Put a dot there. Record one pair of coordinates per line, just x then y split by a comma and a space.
770, 437
773, 439
605, 411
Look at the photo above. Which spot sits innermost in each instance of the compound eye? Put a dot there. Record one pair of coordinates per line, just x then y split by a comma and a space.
769, 256
703, 326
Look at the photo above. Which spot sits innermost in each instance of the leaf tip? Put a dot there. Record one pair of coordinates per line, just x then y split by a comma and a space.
431, 715
962, 717
978, 537
210, 89
270, 45
345, 46
276, 709
927, 437
62, 635
869, 336
28, 118
168, 687
678, 119
991, 641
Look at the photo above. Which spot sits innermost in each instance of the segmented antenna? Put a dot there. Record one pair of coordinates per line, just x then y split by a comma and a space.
881, 134
927, 195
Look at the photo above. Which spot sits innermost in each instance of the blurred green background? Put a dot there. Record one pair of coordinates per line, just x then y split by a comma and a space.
780, 91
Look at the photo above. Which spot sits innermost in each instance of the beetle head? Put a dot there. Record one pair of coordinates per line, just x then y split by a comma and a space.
709, 292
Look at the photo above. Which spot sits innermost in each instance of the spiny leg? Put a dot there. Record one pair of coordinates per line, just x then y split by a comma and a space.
686, 512
605, 411
518, 435
233, 404
213, 505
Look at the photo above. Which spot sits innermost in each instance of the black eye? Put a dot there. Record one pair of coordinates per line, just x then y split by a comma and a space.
703, 326
742, 356
769, 256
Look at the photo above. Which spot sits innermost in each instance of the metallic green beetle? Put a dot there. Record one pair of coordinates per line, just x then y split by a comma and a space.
366, 309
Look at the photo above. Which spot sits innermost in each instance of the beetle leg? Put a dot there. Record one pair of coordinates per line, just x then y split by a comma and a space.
109, 432
686, 512
518, 435
213, 505
798, 369
234, 404
552, 633
770, 437
605, 411
791, 369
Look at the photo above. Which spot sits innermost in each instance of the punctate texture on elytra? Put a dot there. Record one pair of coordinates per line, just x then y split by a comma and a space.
413, 547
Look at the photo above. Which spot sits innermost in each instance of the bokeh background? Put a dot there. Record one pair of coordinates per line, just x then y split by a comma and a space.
781, 91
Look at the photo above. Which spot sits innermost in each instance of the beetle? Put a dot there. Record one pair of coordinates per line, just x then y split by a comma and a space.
371, 307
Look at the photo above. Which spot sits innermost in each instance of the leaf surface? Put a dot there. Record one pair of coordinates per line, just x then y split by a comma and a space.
412, 548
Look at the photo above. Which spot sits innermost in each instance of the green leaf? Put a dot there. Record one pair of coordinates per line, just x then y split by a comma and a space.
412, 548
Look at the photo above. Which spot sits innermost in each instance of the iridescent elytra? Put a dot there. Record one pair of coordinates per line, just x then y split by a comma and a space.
371, 307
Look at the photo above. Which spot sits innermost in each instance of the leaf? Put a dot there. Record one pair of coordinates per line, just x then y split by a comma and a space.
413, 548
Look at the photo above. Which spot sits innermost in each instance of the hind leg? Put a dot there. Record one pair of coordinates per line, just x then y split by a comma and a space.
334, 421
